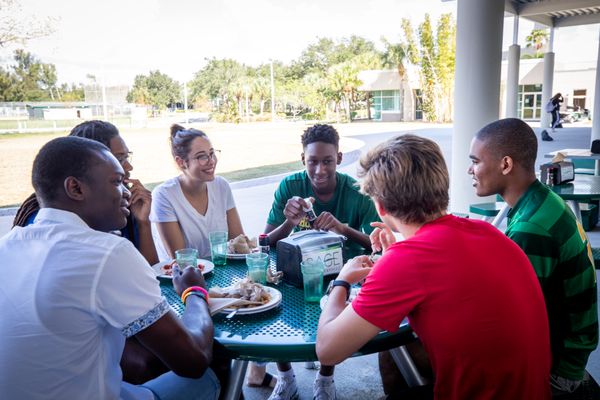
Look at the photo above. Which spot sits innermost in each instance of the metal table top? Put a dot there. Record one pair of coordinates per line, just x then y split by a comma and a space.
285, 333
583, 188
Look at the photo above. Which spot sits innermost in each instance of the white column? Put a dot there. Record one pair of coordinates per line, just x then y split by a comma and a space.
477, 88
596, 108
548, 80
512, 79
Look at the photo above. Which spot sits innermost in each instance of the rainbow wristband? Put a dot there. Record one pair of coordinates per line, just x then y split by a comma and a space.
193, 289
195, 293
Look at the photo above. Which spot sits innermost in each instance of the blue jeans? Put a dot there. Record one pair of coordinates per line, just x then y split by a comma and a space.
169, 386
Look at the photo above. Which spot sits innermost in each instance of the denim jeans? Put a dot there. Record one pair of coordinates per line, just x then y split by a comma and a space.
169, 386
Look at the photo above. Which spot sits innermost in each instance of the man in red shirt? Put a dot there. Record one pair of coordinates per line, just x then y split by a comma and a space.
469, 292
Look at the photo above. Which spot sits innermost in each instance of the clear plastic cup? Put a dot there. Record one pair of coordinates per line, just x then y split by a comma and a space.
257, 267
312, 277
186, 258
218, 247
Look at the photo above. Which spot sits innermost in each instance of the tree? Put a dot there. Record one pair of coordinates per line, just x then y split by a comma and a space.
156, 89
537, 39
17, 27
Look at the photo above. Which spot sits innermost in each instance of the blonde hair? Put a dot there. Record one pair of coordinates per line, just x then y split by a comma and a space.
408, 176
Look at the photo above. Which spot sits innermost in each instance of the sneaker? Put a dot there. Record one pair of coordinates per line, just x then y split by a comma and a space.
324, 390
285, 389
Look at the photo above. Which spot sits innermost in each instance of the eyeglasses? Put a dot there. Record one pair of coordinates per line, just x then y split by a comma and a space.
203, 159
122, 158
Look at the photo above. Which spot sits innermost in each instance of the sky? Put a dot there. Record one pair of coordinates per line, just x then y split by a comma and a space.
118, 39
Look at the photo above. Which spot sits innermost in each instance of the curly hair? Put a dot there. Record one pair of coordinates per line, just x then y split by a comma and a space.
408, 176
320, 133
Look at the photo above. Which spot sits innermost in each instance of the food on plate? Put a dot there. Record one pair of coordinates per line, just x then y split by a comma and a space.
242, 244
167, 269
243, 290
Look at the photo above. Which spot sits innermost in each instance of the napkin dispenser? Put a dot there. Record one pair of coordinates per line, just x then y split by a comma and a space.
557, 173
305, 245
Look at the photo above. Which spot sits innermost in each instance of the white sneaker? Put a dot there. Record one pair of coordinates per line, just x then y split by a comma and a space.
285, 389
324, 390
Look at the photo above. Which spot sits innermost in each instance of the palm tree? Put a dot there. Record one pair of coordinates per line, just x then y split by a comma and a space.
537, 39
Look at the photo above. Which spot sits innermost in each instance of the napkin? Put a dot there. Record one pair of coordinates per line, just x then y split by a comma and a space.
216, 304
559, 157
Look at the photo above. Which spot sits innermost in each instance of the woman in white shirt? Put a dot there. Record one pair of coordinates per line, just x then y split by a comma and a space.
185, 209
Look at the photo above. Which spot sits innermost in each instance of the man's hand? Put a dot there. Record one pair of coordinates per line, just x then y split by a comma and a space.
382, 237
140, 201
355, 270
191, 276
327, 222
294, 210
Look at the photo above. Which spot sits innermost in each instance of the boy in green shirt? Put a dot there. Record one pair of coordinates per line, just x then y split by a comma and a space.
503, 162
339, 207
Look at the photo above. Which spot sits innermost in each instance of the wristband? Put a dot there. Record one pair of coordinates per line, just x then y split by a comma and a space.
193, 289
195, 293
337, 282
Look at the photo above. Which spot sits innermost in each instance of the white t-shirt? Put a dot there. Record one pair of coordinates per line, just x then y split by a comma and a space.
69, 297
170, 205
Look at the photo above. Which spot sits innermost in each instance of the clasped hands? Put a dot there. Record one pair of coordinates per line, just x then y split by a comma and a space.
294, 212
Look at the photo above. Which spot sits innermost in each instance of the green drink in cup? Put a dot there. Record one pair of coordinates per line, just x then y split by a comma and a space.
186, 258
257, 267
312, 277
218, 247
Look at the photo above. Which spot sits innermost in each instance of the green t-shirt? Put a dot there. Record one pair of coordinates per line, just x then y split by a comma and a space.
548, 232
348, 205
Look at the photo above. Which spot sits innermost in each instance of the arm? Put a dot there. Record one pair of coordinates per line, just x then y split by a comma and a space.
337, 319
293, 213
171, 236
328, 222
184, 346
140, 204
234, 224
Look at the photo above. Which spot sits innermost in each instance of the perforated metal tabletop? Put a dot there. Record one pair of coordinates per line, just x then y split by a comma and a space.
285, 333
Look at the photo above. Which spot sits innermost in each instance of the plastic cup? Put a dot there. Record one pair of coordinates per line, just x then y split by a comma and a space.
218, 247
186, 258
257, 267
312, 277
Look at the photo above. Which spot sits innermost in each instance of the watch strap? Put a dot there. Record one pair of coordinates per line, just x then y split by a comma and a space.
345, 284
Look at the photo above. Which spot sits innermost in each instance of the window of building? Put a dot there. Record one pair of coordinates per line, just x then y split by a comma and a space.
579, 99
529, 101
384, 100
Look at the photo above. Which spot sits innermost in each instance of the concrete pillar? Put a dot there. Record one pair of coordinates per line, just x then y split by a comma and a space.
512, 79
596, 107
547, 83
477, 88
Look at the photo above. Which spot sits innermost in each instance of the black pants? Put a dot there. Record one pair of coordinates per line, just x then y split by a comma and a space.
555, 118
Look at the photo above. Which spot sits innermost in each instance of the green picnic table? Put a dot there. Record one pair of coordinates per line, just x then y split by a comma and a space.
285, 333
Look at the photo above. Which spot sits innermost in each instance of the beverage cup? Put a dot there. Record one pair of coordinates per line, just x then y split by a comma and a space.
218, 247
186, 258
257, 267
312, 277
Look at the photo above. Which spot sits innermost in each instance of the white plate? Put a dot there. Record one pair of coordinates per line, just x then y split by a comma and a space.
236, 256
208, 267
353, 292
274, 302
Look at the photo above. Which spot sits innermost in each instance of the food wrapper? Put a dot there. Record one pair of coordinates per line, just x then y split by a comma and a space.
559, 157
274, 277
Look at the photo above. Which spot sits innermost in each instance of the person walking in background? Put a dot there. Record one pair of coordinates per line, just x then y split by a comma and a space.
555, 102
503, 157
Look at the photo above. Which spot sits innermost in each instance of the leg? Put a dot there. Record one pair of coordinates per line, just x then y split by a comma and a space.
258, 376
169, 386
286, 387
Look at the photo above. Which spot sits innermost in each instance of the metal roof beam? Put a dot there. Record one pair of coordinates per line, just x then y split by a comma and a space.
577, 20
548, 6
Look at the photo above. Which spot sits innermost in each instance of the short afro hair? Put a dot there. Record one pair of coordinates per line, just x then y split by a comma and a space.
100, 131
320, 133
511, 137
61, 158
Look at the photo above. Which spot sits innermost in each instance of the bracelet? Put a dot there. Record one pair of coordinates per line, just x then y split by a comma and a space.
193, 289
195, 293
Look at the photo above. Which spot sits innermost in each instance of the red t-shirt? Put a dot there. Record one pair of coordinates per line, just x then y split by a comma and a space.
474, 300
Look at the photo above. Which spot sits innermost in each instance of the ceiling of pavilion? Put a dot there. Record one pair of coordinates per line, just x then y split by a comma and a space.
556, 13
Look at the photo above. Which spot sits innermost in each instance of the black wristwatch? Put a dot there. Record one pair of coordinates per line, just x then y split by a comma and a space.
335, 283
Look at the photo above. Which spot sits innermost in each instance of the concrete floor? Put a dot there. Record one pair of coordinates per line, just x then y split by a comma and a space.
358, 378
